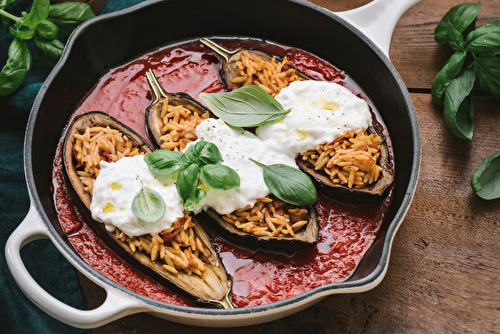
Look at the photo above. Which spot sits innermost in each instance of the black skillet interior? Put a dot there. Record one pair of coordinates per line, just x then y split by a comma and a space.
114, 39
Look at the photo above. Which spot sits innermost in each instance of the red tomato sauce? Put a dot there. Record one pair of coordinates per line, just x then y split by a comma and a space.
346, 232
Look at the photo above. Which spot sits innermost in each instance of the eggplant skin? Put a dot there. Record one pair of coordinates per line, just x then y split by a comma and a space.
192, 287
79, 124
371, 194
285, 245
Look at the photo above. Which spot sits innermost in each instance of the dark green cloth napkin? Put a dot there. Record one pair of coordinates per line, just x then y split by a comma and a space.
17, 313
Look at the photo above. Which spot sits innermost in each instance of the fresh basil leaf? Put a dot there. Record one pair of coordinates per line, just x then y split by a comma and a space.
289, 184
49, 51
39, 12
23, 34
455, 38
484, 41
148, 205
486, 179
194, 199
450, 70
248, 106
458, 105
487, 72
203, 153
492, 23
219, 177
68, 15
47, 30
461, 17
164, 162
17, 67
187, 180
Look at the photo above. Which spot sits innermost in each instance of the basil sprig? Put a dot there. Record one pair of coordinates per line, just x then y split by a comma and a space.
198, 166
475, 62
288, 184
248, 106
43, 24
148, 205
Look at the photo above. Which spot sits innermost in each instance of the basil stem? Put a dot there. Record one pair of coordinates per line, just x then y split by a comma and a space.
148, 205
486, 179
288, 184
248, 106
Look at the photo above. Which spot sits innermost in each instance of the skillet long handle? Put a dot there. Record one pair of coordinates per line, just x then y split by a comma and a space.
378, 19
116, 305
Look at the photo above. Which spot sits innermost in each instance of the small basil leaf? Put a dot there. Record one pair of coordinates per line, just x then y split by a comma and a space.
148, 205
219, 177
39, 12
289, 184
164, 162
187, 180
458, 105
68, 15
49, 50
461, 17
195, 198
248, 106
450, 70
17, 67
487, 72
484, 41
486, 179
47, 30
203, 153
23, 34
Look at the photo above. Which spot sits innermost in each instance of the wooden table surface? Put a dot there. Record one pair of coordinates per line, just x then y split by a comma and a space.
444, 271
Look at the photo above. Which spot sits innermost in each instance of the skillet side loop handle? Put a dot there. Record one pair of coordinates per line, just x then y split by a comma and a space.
116, 305
378, 19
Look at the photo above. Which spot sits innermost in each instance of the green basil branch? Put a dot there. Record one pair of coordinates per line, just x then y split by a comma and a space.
475, 62
197, 167
42, 24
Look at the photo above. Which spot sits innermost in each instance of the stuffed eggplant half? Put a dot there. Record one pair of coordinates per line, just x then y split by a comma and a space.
244, 66
172, 117
115, 191
353, 164
354, 168
248, 216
